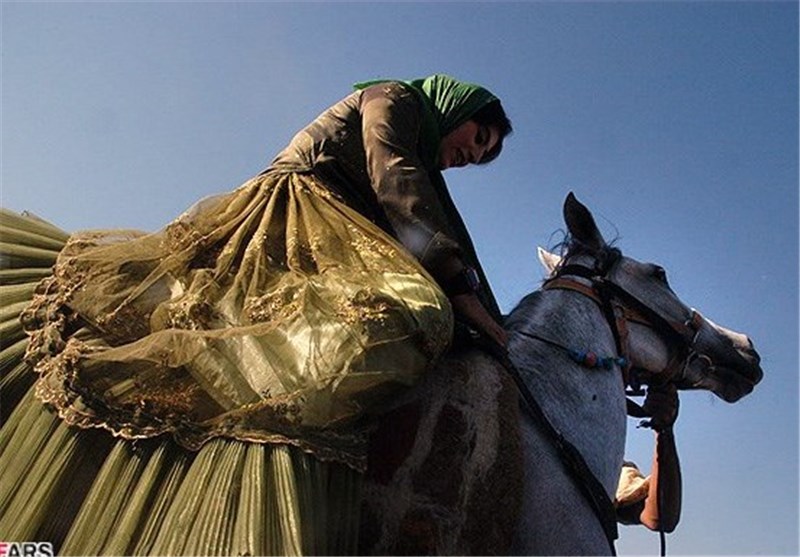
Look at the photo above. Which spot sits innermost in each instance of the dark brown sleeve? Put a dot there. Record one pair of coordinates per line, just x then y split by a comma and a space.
390, 128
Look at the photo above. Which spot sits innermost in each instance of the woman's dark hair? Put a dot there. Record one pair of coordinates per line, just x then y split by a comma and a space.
493, 115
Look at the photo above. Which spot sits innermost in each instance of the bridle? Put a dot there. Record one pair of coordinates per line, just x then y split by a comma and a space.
621, 308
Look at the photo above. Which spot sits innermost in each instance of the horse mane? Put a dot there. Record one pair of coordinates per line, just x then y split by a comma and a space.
570, 246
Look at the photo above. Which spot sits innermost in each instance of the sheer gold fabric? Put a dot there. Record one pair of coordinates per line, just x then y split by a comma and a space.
90, 494
272, 314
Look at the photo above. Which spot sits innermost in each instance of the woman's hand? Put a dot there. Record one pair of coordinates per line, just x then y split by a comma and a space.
469, 307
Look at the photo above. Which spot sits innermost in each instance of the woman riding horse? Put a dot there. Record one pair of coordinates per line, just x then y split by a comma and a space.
241, 351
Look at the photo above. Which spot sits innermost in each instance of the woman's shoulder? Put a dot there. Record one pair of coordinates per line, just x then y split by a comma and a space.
395, 91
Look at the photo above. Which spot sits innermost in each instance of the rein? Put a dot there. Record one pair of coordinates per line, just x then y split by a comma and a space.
571, 457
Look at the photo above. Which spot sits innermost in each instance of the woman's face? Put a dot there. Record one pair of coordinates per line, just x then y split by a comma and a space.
467, 144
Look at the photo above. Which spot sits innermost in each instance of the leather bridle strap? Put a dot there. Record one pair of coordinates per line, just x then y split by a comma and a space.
617, 315
589, 290
686, 331
620, 308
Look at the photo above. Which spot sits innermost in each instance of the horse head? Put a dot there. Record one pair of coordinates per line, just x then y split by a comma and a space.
662, 338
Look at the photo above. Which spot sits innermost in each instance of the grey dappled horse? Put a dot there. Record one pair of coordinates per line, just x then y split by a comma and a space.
460, 468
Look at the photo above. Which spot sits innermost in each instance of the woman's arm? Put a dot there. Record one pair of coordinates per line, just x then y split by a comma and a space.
662, 508
471, 310
391, 118
390, 128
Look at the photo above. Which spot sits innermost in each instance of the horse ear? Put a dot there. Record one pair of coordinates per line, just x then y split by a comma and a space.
549, 260
581, 225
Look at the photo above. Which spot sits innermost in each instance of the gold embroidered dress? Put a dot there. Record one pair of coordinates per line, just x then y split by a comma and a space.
209, 388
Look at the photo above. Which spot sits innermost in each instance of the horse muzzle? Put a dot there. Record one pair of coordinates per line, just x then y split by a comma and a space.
723, 362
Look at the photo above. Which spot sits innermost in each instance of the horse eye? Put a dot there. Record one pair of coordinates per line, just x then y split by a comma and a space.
660, 274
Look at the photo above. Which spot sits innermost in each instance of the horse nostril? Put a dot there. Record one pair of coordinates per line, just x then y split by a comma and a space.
751, 353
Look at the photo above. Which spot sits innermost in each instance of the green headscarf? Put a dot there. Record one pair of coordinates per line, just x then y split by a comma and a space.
447, 103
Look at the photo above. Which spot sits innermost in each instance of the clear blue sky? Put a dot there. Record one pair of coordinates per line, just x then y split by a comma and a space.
677, 123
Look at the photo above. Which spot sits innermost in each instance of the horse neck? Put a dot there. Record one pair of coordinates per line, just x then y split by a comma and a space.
586, 405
